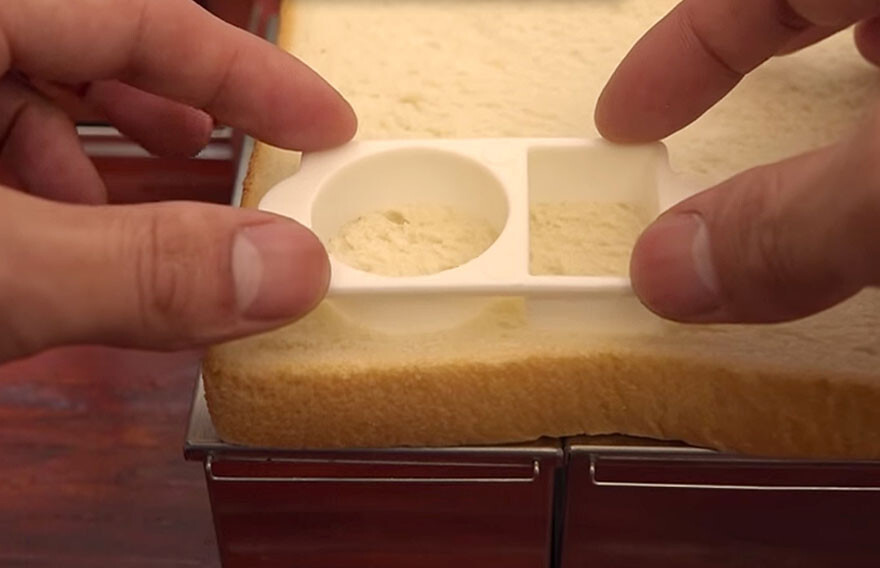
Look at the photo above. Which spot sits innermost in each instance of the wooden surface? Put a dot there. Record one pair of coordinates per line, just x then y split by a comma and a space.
91, 439
91, 465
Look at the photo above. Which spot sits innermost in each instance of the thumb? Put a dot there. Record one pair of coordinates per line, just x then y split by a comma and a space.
776, 243
160, 276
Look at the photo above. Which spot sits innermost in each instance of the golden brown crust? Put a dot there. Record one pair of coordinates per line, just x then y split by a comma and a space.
268, 165
252, 191
755, 412
259, 178
287, 16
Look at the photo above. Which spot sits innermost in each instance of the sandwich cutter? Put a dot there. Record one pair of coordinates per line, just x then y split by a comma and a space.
494, 179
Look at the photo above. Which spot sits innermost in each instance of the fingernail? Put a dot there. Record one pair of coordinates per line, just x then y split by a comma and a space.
280, 269
672, 269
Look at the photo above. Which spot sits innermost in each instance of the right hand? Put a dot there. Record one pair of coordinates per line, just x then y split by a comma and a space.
159, 276
775, 243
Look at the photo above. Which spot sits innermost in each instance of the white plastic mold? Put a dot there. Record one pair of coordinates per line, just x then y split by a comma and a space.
495, 179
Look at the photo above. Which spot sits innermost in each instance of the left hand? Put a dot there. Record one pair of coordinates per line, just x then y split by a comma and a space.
157, 276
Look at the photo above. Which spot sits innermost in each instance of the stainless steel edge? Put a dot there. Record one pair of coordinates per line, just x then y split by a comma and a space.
761, 487
584, 445
532, 472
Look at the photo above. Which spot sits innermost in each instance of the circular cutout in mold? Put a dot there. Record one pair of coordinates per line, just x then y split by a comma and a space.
410, 212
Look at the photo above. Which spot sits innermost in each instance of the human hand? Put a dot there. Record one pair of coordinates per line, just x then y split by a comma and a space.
774, 243
158, 276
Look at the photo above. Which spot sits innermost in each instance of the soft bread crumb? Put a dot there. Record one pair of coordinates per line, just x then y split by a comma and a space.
584, 239
412, 240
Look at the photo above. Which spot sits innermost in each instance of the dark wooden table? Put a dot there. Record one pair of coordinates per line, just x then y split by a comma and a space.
91, 469
91, 439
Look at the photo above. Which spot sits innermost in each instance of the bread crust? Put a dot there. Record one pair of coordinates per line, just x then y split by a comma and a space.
259, 179
762, 412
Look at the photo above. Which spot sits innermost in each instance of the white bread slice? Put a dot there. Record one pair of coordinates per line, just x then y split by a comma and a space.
469, 68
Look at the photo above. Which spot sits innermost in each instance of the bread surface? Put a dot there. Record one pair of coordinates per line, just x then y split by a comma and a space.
807, 389
412, 240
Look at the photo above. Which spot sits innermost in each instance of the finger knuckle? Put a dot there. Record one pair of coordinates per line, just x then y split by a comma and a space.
765, 260
183, 274
771, 267
161, 273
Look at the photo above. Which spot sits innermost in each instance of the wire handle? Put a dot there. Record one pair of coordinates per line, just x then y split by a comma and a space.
594, 479
531, 472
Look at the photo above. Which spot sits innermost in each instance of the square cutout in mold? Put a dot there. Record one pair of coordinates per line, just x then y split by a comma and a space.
588, 204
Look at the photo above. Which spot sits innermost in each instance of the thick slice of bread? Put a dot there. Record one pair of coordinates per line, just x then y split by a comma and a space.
471, 68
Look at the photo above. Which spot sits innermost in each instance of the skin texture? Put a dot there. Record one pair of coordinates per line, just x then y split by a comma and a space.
158, 276
772, 244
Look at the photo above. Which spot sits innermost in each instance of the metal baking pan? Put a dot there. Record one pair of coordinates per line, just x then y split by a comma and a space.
640, 502
488, 506
588, 501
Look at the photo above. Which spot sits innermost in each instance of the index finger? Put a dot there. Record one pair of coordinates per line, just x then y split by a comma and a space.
699, 52
176, 49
